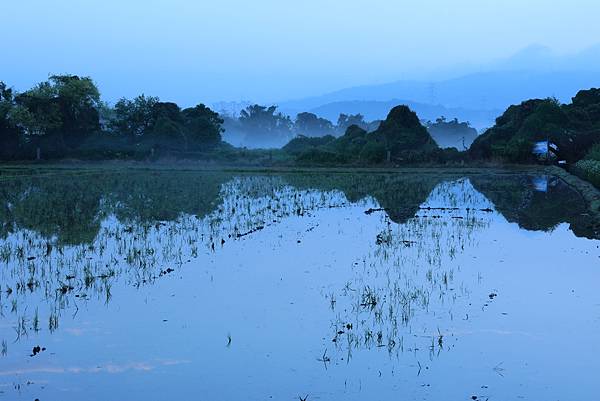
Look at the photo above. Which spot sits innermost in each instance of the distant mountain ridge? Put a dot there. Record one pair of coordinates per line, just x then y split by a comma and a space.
534, 72
378, 110
480, 91
479, 95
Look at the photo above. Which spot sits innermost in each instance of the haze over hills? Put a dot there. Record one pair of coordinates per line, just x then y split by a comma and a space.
378, 110
477, 96
485, 90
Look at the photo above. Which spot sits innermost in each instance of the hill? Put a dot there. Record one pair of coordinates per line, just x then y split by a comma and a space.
480, 94
378, 110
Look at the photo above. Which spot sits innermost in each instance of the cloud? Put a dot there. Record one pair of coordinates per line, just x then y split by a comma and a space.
111, 368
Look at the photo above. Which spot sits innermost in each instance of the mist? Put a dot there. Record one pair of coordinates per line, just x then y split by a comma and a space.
263, 52
315, 200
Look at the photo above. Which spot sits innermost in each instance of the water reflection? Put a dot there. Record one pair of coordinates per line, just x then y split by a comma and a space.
71, 241
520, 200
73, 235
411, 273
70, 208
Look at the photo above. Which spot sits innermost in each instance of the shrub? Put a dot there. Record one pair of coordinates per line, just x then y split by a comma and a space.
319, 156
373, 152
589, 170
303, 143
594, 153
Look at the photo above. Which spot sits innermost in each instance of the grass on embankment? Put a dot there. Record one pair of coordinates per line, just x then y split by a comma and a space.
588, 191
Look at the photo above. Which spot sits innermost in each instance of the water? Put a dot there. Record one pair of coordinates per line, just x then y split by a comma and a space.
154, 285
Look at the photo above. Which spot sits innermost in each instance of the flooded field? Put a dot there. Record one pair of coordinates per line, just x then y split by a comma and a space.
133, 285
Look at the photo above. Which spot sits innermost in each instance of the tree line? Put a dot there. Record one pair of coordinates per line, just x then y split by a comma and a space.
65, 116
570, 130
263, 126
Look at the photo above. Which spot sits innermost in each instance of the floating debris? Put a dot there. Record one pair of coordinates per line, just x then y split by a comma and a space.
36, 350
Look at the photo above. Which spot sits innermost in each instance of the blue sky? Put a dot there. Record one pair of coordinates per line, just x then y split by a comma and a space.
266, 50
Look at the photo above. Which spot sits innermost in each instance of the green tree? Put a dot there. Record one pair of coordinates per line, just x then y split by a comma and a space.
38, 111
373, 152
203, 127
59, 114
133, 118
79, 103
303, 143
352, 142
570, 129
402, 132
10, 135
166, 127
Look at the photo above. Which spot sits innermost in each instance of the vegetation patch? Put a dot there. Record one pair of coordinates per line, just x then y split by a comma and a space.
589, 170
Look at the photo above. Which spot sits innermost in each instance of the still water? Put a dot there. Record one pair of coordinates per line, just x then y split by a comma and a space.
155, 285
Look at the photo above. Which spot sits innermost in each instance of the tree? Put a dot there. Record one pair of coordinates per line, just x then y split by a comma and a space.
310, 125
373, 152
79, 103
37, 111
10, 135
165, 127
203, 127
301, 143
570, 129
402, 131
264, 126
346, 120
59, 114
352, 142
452, 134
133, 118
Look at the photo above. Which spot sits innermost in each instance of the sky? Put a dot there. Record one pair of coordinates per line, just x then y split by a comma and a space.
193, 51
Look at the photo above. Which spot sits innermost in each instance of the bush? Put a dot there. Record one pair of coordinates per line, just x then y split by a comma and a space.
593, 153
373, 152
303, 143
319, 156
589, 170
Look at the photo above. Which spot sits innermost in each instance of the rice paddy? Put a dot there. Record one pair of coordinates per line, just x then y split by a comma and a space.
281, 286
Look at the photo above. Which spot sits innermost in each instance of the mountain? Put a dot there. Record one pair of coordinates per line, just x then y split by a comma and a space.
378, 110
478, 91
479, 95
